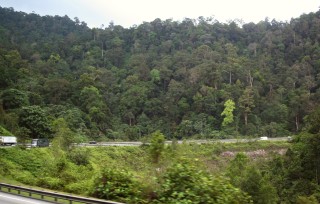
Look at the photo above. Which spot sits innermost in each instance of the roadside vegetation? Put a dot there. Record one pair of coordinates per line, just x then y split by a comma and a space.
254, 172
155, 173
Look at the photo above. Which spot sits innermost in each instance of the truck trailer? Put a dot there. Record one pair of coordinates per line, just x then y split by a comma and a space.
8, 140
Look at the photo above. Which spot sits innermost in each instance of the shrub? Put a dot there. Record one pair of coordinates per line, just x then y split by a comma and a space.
117, 185
259, 187
4, 131
183, 183
51, 183
157, 146
24, 177
79, 156
80, 187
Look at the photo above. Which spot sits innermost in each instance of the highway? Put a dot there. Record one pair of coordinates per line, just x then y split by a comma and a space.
169, 142
7, 198
180, 142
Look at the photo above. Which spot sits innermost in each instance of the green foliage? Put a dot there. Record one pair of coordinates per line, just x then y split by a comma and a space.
229, 106
184, 183
3, 131
237, 169
156, 146
246, 103
117, 185
276, 168
13, 98
250, 180
296, 175
82, 186
306, 200
303, 165
275, 113
10, 63
50, 182
75, 119
35, 119
63, 137
27, 160
155, 75
90, 97
180, 82
259, 187
124, 84
24, 135
313, 122
274, 130
79, 156
22, 165
130, 180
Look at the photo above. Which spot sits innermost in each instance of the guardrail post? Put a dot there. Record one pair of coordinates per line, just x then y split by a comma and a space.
9, 189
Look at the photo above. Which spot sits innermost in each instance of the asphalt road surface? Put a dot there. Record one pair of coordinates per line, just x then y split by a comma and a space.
180, 142
6, 198
169, 142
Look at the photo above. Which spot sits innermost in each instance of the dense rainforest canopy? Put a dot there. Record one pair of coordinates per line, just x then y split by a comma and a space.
195, 78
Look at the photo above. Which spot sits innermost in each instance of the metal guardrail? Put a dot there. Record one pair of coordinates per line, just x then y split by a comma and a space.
56, 196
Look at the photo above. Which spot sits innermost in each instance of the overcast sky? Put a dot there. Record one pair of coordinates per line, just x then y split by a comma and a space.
133, 12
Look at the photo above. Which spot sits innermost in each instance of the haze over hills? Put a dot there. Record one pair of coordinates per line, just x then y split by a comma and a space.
97, 13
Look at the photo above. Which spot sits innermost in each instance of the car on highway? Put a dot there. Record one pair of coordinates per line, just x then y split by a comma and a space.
43, 142
264, 138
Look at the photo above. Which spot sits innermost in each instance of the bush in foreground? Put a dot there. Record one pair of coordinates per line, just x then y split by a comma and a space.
184, 183
117, 185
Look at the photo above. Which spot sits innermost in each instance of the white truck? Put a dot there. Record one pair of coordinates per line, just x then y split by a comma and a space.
8, 140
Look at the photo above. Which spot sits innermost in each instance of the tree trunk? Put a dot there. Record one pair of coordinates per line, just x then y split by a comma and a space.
246, 119
317, 180
297, 123
250, 79
101, 50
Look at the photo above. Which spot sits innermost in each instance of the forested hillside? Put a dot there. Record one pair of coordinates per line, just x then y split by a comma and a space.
197, 78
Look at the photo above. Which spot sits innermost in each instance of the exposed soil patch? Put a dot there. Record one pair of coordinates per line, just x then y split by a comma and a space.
260, 153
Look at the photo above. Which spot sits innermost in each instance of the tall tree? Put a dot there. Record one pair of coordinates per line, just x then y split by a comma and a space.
229, 106
246, 103
35, 119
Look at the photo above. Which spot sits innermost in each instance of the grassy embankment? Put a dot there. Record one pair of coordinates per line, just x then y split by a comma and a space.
75, 170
